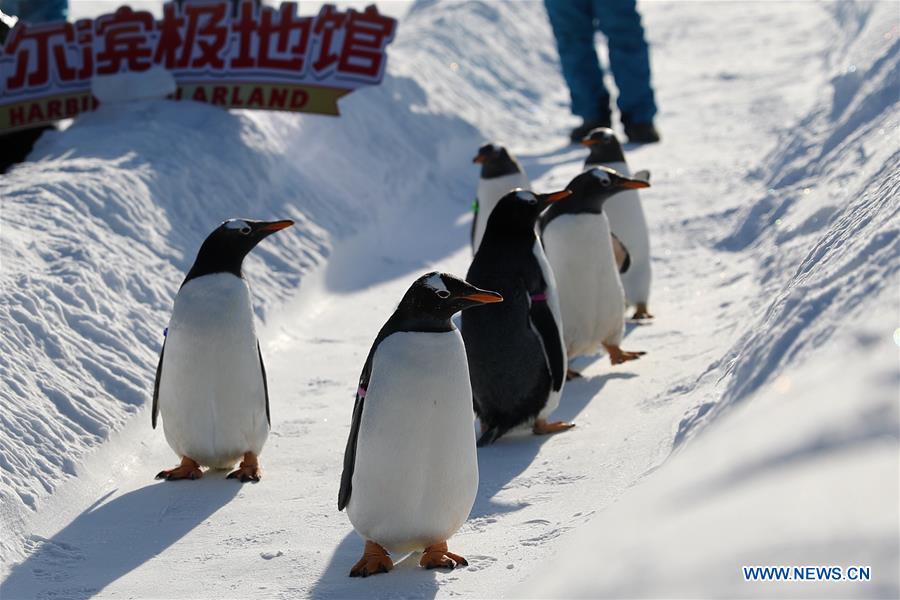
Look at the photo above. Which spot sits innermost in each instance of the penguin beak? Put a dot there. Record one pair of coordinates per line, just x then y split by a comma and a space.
634, 184
589, 142
483, 297
273, 226
479, 159
556, 196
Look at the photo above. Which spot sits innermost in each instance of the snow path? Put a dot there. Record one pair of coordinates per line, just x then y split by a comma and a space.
113, 531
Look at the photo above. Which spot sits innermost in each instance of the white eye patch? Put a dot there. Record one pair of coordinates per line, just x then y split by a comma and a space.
237, 224
436, 283
601, 176
526, 197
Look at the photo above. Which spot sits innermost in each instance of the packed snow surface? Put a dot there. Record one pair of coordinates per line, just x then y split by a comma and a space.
762, 427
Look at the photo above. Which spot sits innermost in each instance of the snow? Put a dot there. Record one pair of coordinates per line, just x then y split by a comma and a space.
760, 429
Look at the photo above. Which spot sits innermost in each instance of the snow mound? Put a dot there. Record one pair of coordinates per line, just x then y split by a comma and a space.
825, 235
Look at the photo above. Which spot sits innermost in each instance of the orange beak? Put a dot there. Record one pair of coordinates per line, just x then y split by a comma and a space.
484, 297
479, 159
635, 184
557, 196
589, 142
277, 225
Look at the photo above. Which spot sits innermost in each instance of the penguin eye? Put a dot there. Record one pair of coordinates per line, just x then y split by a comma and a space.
442, 293
245, 229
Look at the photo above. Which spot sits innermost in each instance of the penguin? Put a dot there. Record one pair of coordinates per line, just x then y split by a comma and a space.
410, 469
626, 218
580, 250
500, 173
210, 386
517, 358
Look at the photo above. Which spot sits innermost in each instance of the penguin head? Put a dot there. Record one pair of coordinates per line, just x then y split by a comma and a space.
496, 161
603, 182
438, 296
517, 211
604, 146
224, 249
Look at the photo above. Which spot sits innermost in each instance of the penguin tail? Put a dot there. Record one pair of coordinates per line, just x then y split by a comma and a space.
488, 437
491, 435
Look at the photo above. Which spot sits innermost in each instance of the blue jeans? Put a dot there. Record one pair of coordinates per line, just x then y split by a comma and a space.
574, 23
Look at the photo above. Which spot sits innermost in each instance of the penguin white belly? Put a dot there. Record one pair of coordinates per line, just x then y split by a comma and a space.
489, 193
416, 471
590, 292
211, 393
553, 299
627, 221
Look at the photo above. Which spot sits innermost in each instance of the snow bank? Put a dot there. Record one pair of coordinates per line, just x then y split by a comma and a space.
101, 223
795, 460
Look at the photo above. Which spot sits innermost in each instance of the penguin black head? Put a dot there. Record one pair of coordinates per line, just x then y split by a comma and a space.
435, 297
496, 161
517, 212
604, 146
224, 249
590, 190
603, 182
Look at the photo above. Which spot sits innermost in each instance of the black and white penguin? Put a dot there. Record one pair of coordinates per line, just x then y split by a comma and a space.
500, 173
580, 250
626, 217
410, 469
210, 383
517, 358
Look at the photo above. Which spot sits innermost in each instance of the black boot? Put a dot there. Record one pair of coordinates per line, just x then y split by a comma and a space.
641, 133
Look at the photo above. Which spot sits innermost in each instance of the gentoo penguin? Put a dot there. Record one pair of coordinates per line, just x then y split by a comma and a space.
500, 173
626, 217
210, 381
516, 354
410, 469
580, 250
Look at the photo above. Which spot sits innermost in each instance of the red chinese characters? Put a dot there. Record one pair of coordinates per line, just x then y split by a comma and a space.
366, 35
124, 41
39, 51
195, 39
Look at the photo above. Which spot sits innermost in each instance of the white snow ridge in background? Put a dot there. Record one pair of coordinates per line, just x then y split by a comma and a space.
762, 427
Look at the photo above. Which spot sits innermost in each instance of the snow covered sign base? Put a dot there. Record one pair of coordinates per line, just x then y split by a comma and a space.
255, 57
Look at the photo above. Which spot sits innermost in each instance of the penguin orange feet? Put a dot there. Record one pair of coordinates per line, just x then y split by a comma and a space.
572, 374
543, 427
188, 469
641, 312
248, 470
437, 556
374, 560
617, 356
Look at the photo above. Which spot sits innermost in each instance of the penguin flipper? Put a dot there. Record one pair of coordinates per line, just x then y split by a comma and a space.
154, 409
350, 450
262, 368
542, 318
621, 250
350, 454
474, 223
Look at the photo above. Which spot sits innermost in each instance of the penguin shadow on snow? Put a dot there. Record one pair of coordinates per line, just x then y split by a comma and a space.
112, 538
406, 580
507, 458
